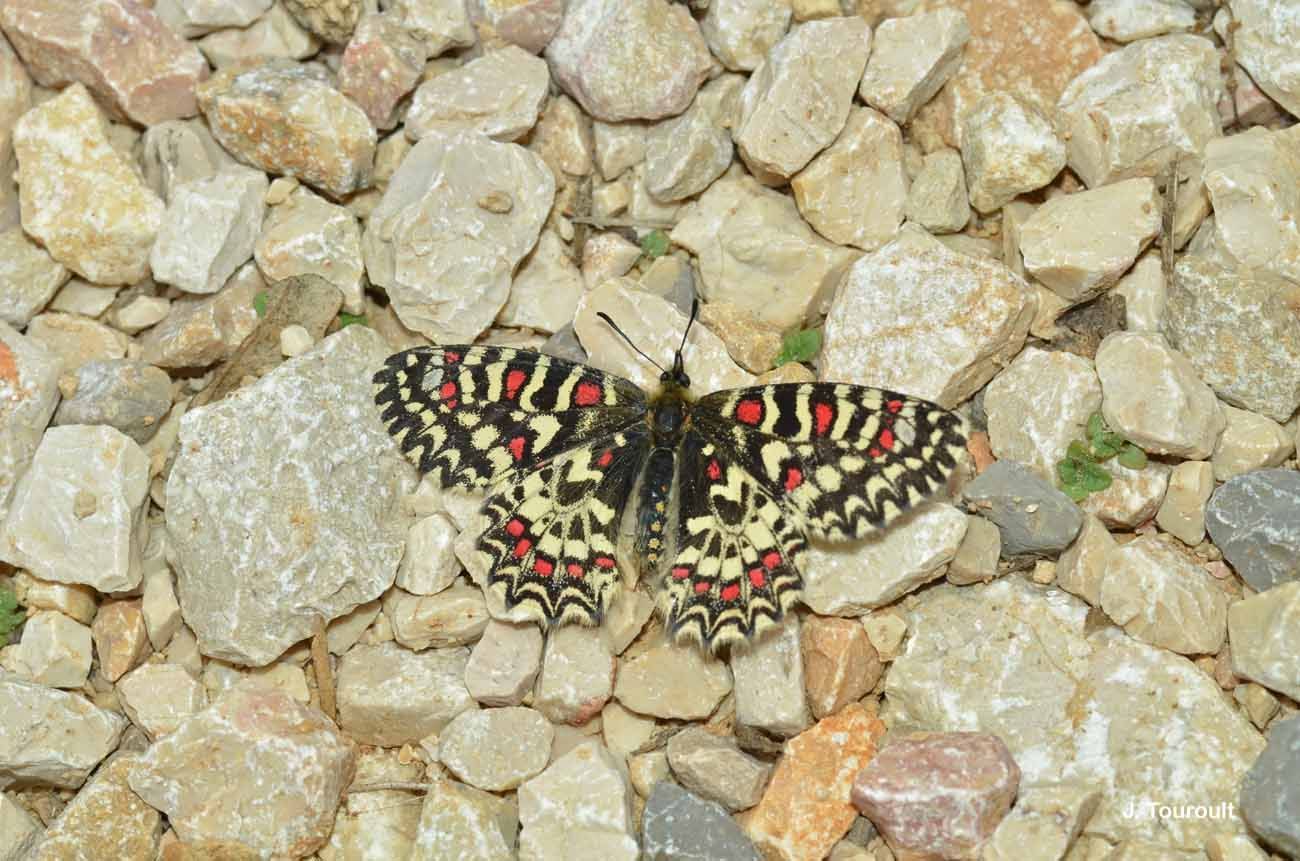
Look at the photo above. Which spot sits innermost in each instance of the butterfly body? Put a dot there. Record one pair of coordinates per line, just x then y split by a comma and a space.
728, 487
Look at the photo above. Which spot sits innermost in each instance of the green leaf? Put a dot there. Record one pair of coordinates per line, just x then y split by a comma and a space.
1067, 471
799, 346
259, 303
1096, 426
346, 319
1103, 449
654, 244
1079, 451
1094, 477
1077, 492
1132, 457
10, 616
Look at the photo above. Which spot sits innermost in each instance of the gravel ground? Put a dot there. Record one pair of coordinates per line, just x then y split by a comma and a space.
250, 630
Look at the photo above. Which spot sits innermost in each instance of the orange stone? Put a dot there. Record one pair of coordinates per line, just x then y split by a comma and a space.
839, 663
806, 808
1029, 48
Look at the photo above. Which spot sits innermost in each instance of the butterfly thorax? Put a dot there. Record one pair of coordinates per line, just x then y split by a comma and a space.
669, 416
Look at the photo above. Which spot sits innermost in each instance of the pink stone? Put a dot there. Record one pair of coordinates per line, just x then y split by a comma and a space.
938, 795
380, 65
119, 49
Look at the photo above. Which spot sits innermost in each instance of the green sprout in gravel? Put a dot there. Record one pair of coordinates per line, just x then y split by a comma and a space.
346, 319
259, 303
1081, 471
799, 346
654, 244
10, 616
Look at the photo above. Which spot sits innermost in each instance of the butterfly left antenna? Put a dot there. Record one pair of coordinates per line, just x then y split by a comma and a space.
602, 315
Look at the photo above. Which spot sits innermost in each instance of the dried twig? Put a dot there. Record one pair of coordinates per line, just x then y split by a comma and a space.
403, 785
606, 223
320, 660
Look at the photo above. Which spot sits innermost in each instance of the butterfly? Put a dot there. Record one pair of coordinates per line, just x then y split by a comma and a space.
728, 488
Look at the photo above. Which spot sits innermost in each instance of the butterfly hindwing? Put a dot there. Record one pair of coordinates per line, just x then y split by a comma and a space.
550, 542
843, 460
472, 416
735, 569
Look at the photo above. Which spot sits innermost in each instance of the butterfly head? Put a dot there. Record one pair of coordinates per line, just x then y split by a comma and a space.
676, 376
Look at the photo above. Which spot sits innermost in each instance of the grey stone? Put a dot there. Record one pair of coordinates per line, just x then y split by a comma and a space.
283, 503
1270, 792
1033, 516
131, 396
679, 826
715, 767
1255, 520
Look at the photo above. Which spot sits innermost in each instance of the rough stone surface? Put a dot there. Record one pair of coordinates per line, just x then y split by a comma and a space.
848, 579
941, 794
1141, 106
938, 198
1081, 568
1044, 823
686, 153
121, 638
380, 65
806, 808
29, 393
20, 829
1166, 409
1270, 794
1262, 45
389, 695
919, 318
332, 20
1253, 519
202, 330
580, 806
672, 681
1134, 495
59, 183
55, 650
121, 50
1162, 597
453, 617
1038, 404
577, 676
1249, 442
275, 35
913, 56
1032, 515
158, 697
715, 768
977, 557
75, 514
72, 600
325, 549
798, 99
840, 664
680, 826
740, 33
77, 340
854, 191
439, 244
29, 277
1008, 148
1265, 638
459, 821
50, 737
130, 396
504, 664
1139, 723
192, 18
496, 749
255, 731
209, 229
769, 682
285, 118
104, 820
629, 59
530, 24
1077, 262
499, 95
756, 252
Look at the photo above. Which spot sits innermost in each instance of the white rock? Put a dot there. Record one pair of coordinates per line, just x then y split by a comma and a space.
798, 98
1038, 404
937, 199
76, 514
440, 24
72, 600
79, 296
1130, 20
854, 191
580, 806
453, 617
619, 146
158, 697
563, 137
1044, 823
1064, 249
1134, 495
919, 318
500, 94
308, 235
914, 55
740, 33
530, 24
390, 696
458, 821
19, 830
209, 229
29, 394
496, 749
180, 151
29, 277
162, 612
686, 153
1264, 44
192, 18
755, 251
275, 34
668, 680
54, 651
1265, 635
545, 291
294, 341
606, 256
1143, 289
577, 675
77, 340
769, 682
504, 664
1082, 566
50, 737
1249, 441
1151, 395
140, 313
1008, 149
1182, 513
330, 547
458, 216
850, 579
429, 562
1139, 107
1161, 597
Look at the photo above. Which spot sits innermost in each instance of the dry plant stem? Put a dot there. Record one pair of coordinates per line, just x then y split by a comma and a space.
397, 784
320, 659
1168, 214
605, 223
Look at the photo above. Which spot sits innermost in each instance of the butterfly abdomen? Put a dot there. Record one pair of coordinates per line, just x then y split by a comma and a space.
653, 507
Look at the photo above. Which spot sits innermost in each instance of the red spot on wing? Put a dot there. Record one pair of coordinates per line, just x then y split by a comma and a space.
714, 471
749, 412
543, 566
701, 587
522, 547
680, 573
451, 404
887, 439
515, 528
757, 578
447, 389
517, 447
771, 559
514, 380
824, 414
451, 357
731, 593
604, 562
574, 569
874, 452
793, 477
894, 406
605, 458
587, 394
